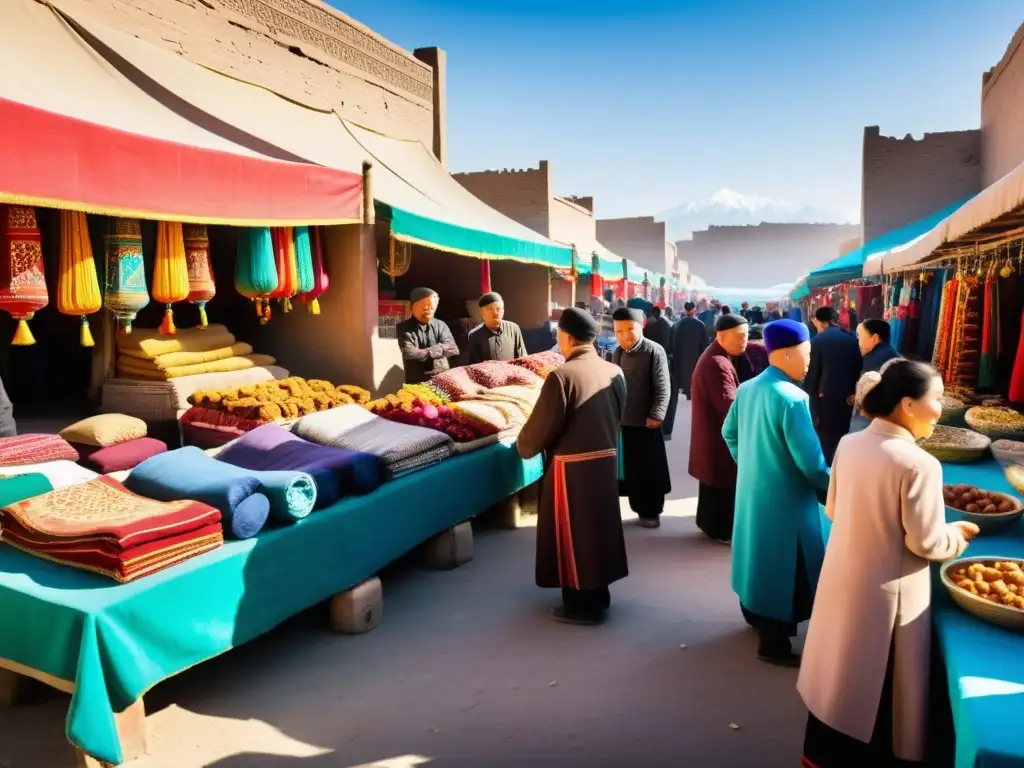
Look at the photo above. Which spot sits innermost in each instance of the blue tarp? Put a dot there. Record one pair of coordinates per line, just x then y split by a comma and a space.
850, 266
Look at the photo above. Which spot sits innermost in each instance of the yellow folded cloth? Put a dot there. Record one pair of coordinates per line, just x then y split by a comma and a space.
145, 369
179, 359
148, 343
483, 413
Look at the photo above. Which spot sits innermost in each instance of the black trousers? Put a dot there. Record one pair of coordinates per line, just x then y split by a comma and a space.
648, 505
586, 603
715, 508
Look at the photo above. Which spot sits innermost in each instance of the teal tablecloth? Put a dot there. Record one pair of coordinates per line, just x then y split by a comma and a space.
984, 664
116, 641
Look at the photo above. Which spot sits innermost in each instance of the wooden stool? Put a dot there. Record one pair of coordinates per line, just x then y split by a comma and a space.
359, 609
450, 549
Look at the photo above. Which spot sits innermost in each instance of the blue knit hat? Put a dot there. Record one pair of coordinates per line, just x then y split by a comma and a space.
783, 334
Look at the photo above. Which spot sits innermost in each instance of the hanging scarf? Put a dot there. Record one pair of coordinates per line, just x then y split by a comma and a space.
78, 287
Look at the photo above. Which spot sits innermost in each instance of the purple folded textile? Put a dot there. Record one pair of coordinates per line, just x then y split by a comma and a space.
335, 471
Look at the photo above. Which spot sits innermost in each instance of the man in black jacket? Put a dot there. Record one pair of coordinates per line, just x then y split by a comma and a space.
832, 379
426, 342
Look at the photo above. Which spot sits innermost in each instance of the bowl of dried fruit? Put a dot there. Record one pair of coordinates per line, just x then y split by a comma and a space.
954, 444
997, 422
991, 588
992, 512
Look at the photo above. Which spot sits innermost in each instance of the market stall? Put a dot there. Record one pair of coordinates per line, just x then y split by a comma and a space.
984, 682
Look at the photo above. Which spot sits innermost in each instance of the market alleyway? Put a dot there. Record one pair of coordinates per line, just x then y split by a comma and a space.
467, 670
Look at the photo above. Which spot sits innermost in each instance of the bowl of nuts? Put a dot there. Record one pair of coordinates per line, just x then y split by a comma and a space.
991, 588
992, 512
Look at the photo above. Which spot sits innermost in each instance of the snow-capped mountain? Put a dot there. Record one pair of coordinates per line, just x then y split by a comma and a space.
726, 207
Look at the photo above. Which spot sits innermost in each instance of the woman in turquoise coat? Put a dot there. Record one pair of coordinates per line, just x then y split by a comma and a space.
777, 547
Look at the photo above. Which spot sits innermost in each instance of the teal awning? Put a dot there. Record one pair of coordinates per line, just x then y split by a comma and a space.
850, 266
443, 236
800, 292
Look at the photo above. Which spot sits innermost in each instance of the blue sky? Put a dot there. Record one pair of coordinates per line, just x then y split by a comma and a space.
645, 104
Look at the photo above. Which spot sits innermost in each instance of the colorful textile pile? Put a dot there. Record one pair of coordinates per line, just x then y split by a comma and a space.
284, 399
103, 527
418, 406
403, 448
134, 368
469, 380
112, 442
335, 471
208, 428
541, 363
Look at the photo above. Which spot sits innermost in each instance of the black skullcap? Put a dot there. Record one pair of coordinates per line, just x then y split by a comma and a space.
490, 298
728, 322
578, 323
418, 294
628, 314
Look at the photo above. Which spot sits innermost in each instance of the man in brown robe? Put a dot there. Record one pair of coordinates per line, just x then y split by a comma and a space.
722, 367
580, 544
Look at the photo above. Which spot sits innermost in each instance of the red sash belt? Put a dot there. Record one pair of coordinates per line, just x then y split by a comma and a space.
563, 529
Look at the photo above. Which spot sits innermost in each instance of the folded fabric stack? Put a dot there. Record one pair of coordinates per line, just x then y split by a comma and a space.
540, 363
403, 448
514, 402
103, 527
207, 428
336, 471
60, 473
112, 442
418, 405
147, 354
246, 498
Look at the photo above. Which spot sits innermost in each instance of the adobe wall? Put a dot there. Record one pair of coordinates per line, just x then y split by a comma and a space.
524, 195
572, 223
639, 238
303, 49
763, 255
907, 179
1002, 113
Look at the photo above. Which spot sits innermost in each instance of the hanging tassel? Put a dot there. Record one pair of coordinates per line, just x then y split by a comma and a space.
23, 335
286, 305
86, 335
167, 324
314, 307
124, 327
203, 323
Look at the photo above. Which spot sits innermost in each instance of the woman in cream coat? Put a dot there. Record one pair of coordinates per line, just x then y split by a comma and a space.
864, 676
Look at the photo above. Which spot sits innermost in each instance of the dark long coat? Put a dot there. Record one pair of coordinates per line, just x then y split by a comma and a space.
715, 380
689, 340
580, 544
836, 365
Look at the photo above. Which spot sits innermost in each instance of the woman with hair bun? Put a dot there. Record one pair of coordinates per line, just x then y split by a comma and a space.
865, 670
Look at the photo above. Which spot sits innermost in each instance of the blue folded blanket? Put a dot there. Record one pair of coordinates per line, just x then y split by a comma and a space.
189, 473
335, 471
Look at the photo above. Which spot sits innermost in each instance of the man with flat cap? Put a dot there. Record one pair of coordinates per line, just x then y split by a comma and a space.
777, 548
645, 474
580, 545
496, 338
721, 368
427, 343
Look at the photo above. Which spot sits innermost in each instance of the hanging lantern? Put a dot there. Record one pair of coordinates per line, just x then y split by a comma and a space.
170, 271
286, 264
78, 288
304, 261
321, 280
125, 284
255, 270
22, 277
596, 284
201, 287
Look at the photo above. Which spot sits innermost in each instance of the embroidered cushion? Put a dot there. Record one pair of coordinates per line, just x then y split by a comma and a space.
35, 449
105, 429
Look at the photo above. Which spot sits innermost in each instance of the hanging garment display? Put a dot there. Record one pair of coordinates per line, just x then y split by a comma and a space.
170, 271
78, 287
201, 287
124, 290
22, 277
255, 269
286, 264
304, 262
321, 279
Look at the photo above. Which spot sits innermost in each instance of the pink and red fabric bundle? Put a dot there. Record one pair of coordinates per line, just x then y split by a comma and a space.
207, 428
440, 418
541, 363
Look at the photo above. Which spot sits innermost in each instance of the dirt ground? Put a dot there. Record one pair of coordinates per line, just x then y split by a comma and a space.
468, 670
